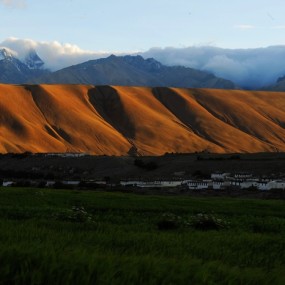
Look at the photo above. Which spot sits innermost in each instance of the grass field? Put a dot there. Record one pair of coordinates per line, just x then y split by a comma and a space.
46, 237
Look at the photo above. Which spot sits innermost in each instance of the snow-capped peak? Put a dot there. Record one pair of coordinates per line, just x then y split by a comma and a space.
32, 60
5, 54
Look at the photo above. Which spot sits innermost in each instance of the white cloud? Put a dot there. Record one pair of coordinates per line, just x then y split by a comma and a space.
14, 3
252, 68
244, 27
54, 54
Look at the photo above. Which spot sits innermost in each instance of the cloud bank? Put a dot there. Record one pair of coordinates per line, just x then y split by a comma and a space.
54, 54
249, 68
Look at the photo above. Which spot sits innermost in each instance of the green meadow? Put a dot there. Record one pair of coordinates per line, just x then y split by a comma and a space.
50, 236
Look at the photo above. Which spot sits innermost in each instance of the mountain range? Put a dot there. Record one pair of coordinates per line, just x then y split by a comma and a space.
116, 120
134, 71
126, 70
114, 70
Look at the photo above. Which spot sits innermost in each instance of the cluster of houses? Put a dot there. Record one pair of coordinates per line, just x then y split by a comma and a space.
218, 181
66, 154
53, 183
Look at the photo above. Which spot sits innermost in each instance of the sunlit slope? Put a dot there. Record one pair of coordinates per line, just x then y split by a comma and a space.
115, 120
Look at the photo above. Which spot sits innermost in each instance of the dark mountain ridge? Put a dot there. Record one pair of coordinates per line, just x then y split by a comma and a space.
278, 86
133, 71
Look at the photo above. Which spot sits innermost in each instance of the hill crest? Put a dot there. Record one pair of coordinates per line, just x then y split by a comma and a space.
116, 120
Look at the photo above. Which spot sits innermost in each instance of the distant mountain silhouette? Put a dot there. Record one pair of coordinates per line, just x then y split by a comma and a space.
134, 71
278, 86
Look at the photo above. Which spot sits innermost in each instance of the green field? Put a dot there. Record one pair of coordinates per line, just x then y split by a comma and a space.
116, 240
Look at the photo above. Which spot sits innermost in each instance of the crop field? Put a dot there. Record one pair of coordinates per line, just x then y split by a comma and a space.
50, 236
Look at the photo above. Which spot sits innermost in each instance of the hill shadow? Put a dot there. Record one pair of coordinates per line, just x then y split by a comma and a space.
181, 109
108, 103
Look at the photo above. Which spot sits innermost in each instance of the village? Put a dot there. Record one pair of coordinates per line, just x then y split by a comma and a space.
217, 181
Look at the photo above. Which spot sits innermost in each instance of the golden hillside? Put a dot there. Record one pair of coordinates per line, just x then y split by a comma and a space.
113, 120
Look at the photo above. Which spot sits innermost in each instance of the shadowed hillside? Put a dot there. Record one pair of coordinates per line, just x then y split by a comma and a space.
132, 71
115, 120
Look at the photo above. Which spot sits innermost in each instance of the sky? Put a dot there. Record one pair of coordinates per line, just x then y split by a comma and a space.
233, 36
137, 25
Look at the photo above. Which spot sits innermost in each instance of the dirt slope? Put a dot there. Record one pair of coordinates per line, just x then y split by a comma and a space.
115, 120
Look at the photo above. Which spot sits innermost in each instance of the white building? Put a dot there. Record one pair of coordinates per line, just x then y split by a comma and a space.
262, 185
219, 175
50, 183
7, 183
152, 184
277, 184
217, 185
71, 182
131, 183
198, 185
249, 183
67, 154
160, 184
242, 175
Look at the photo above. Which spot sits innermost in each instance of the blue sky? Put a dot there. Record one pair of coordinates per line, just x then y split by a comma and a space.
137, 25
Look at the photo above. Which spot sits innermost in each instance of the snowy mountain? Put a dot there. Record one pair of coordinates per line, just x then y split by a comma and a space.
15, 71
33, 61
5, 54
